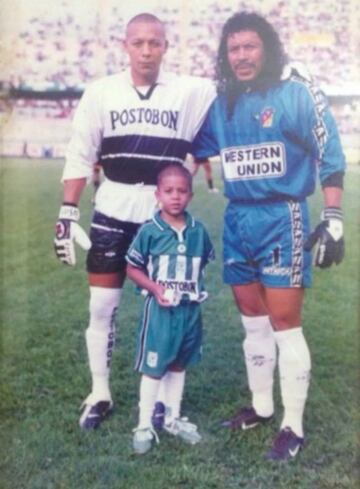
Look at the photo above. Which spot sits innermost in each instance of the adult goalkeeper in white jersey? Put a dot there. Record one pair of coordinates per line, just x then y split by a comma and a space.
167, 259
132, 123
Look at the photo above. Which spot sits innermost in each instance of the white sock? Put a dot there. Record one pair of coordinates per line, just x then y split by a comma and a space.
161, 392
260, 358
100, 338
294, 369
148, 392
173, 387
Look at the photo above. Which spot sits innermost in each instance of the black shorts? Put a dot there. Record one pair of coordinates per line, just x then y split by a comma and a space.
110, 240
200, 161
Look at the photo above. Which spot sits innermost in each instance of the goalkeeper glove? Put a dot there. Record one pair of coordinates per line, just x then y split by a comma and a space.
67, 231
328, 238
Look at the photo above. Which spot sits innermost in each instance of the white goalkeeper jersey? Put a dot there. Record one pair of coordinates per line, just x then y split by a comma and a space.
134, 132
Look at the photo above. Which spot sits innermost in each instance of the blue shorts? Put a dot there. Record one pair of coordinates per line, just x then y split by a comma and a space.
110, 240
265, 243
168, 335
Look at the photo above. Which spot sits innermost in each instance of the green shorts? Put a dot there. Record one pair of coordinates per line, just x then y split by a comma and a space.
168, 335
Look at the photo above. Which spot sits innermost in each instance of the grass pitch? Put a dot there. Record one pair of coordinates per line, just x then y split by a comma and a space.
44, 374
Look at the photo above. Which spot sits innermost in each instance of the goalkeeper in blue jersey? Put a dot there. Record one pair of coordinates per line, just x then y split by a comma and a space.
274, 131
167, 260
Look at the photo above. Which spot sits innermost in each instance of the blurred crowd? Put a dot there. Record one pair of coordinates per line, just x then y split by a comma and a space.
64, 52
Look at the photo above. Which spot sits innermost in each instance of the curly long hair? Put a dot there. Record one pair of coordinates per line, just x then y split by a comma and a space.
275, 57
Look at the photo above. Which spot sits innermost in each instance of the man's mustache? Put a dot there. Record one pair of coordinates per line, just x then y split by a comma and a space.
244, 65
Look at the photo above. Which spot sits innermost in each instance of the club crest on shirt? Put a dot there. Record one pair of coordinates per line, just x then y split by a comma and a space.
181, 248
152, 359
266, 117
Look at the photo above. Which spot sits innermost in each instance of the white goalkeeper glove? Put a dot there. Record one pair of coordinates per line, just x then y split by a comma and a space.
67, 232
328, 238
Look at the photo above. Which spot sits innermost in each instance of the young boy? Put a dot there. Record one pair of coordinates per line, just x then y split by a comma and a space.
167, 259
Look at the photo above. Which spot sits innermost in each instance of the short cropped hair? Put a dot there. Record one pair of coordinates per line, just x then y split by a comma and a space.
146, 18
175, 169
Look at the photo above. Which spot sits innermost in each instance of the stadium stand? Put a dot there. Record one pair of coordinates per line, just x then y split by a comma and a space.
63, 53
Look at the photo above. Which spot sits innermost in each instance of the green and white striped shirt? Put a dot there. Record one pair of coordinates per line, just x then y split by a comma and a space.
174, 258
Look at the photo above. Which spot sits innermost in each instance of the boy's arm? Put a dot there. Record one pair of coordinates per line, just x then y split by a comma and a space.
142, 280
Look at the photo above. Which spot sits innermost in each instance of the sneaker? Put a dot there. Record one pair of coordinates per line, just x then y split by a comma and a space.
158, 416
185, 430
246, 418
213, 190
285, 446
94, 413
143, 439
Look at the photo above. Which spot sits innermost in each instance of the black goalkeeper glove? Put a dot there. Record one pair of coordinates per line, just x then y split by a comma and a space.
68, 231
328, 238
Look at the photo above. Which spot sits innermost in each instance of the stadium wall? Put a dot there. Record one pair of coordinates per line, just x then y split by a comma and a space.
37, 124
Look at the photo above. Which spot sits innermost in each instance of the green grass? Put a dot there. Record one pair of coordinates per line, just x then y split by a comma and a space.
44, 375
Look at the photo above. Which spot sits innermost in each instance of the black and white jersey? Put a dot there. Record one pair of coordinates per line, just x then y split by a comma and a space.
133, 132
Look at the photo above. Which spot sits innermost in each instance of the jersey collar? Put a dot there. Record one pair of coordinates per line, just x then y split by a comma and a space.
162, 78
160, 223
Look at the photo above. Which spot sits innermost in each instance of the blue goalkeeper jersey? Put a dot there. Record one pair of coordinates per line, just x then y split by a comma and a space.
174, 258
275, 142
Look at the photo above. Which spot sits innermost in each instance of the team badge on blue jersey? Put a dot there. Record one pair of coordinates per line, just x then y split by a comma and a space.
267, 117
